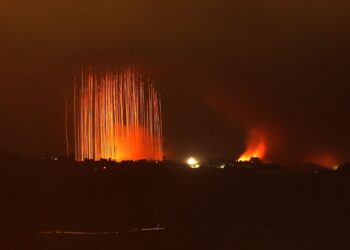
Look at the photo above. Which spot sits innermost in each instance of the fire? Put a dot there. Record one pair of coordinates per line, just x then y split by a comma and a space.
117, 116
256, 146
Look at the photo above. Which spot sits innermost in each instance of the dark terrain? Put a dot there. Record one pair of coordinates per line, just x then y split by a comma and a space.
206, 208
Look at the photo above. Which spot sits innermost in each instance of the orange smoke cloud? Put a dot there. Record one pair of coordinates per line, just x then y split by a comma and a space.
324, 159
134, 144
256, 146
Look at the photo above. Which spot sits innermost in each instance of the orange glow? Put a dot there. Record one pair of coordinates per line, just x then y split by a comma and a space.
324, 159
117, 117
256, 146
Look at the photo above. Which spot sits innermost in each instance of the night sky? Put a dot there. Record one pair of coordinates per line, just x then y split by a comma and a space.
223, 68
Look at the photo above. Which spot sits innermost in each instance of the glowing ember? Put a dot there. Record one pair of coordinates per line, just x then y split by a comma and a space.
117, 117
256, 146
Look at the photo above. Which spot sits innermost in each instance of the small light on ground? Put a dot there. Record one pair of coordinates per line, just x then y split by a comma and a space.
192, 162
222, 166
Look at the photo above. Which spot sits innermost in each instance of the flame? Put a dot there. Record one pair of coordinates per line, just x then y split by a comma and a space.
117, 117
256, 146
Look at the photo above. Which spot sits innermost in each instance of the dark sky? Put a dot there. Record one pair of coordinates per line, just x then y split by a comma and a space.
223, 67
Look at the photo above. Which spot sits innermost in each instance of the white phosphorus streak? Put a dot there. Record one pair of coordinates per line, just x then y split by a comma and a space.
117, 116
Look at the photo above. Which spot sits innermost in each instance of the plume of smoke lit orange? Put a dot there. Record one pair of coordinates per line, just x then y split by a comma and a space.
325, 159
117, 116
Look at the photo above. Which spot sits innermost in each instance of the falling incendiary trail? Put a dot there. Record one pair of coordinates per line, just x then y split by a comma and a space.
256, 146
117, 116
66, 129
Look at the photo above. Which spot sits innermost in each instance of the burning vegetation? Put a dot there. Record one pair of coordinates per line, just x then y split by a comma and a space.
256, 146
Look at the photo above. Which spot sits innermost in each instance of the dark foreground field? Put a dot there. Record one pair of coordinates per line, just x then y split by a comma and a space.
199, 208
